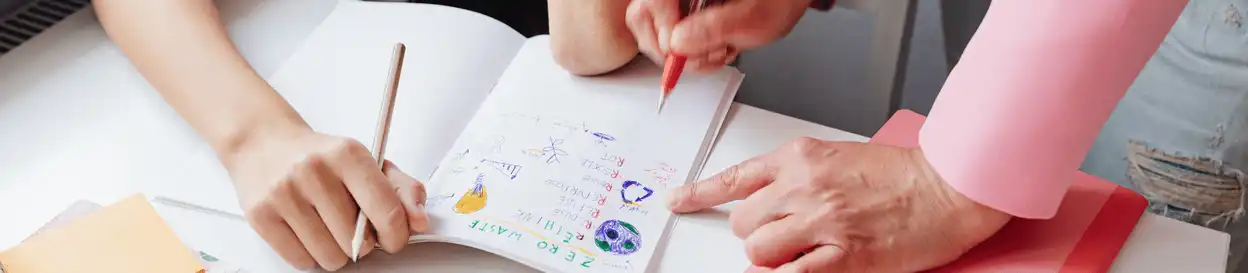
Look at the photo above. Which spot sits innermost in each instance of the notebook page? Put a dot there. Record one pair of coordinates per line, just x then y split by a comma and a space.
565, 173
336, 79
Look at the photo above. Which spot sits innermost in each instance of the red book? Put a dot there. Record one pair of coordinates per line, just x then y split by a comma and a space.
1090, 227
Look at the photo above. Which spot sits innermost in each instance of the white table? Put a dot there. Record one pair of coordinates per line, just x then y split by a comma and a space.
77, 122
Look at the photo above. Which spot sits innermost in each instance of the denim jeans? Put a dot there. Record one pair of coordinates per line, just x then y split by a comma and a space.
1179, 135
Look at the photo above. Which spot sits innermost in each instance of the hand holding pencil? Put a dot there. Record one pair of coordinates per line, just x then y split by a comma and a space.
303, 193
711, 36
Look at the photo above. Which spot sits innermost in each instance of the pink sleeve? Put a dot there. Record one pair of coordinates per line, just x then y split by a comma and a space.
1036, 83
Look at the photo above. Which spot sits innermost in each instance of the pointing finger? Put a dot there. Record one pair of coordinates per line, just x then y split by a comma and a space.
735, 183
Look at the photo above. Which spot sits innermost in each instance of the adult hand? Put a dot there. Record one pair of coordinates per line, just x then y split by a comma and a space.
821, 206
714, 36
300, 190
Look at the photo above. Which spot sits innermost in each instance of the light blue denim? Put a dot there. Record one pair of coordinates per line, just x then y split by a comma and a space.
1179, 135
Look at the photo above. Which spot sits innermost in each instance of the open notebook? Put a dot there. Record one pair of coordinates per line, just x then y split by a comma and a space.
520, 158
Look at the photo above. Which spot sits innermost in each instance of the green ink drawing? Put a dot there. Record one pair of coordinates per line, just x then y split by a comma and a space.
207, 257
617, 237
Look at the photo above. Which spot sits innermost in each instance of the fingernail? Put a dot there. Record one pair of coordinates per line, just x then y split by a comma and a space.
665, 36
677, 36
673, 200
422, 224
653, 58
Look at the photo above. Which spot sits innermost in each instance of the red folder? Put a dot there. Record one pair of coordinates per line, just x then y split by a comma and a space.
1090, 227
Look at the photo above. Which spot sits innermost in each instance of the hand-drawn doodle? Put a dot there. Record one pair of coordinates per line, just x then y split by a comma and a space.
635, 200
617, 237
459, 156
536, 119
511, 170
437, 200
553, 151
491, 145
602, 138
534, 153
474, 199
662, 174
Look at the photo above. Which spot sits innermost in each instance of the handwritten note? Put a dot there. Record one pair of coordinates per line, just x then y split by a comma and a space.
557, 190
564, 173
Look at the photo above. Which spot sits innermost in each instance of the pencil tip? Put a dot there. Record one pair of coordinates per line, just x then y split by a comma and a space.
662, 101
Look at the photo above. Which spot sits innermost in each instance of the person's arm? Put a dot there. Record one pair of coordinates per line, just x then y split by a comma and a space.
1020, 111
301, 190
183, 50
590, 37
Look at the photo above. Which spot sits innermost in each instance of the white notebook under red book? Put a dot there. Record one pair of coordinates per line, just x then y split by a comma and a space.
1091, 226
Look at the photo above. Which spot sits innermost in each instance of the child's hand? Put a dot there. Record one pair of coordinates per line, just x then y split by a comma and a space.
301, 189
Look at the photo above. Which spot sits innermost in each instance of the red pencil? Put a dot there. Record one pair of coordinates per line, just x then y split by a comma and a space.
671, 73
674, 65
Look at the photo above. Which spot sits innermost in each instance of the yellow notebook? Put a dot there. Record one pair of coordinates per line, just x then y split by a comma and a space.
128, 236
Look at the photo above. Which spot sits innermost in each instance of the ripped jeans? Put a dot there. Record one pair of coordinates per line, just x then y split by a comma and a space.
1196, 190
1179, 136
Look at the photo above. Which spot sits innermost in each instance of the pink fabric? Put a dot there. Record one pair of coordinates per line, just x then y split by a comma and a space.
1020, 111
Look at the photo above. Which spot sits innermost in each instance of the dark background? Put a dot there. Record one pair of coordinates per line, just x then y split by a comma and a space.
526, 16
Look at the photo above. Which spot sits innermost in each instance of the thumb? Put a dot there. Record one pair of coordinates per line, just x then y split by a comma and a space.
412, 194
740, 24
735, 183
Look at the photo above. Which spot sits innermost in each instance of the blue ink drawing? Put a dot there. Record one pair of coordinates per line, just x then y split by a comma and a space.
511, 170
635, 200
553, 151
617, 237
603, 138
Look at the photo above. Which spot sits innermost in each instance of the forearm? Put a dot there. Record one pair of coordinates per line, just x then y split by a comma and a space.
590, 37
184, 52
1039, 78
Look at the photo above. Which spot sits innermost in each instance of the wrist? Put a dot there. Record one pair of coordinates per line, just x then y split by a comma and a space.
953, 199
256, 132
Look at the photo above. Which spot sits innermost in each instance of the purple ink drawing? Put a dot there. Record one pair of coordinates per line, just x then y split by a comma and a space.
604, 137
617, 237
635, 200
508, 169
553, 151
